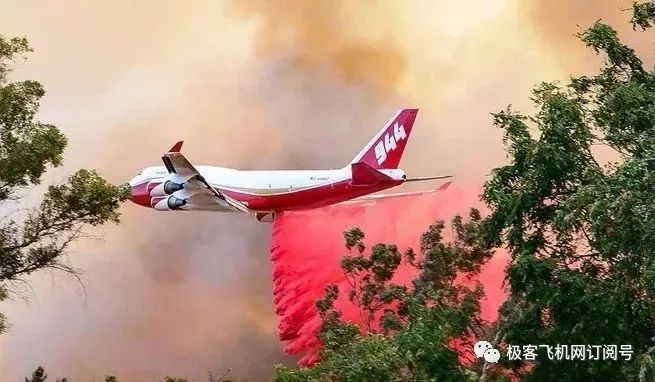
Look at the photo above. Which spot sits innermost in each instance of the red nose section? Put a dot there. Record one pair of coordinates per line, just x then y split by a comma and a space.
141, 195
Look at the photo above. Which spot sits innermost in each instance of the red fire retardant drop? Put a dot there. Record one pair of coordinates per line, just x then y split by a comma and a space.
307, 248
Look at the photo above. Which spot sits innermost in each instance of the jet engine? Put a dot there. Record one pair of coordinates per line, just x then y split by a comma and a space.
166, 188
167, 204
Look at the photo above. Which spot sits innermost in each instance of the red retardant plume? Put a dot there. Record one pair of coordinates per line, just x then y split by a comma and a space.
307, 248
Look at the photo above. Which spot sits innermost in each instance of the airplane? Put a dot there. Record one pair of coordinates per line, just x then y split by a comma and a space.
179, 185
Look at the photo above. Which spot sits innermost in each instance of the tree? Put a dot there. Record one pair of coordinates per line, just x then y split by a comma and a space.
406, 333
38, 375
581, 233
38, 239
174, 379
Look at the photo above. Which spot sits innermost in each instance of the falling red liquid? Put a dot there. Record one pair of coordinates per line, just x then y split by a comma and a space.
307, 248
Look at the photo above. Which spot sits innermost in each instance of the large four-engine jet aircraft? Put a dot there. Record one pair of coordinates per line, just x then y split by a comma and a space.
179, 185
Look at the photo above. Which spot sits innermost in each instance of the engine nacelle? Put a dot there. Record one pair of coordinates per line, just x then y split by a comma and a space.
167, 204
166, 188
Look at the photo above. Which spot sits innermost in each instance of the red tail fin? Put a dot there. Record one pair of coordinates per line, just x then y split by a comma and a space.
386, 148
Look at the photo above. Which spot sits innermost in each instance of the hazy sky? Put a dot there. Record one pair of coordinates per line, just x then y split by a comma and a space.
253, 84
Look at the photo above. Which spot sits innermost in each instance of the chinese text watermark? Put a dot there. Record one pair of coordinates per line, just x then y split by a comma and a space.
559, 352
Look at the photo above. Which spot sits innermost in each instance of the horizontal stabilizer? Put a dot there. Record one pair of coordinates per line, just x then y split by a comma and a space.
422, 178
365, 175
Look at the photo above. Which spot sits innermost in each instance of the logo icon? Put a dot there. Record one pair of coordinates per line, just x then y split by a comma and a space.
484, 349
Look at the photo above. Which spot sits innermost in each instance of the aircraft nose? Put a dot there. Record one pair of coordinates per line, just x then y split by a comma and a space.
140, 194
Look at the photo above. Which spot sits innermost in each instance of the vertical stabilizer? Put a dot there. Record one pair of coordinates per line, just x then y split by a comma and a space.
386, 149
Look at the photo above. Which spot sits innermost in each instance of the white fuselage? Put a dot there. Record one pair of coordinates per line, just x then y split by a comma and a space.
272, 190
236, 180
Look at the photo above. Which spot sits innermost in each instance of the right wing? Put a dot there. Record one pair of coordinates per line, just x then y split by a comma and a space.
178, 164
395, 195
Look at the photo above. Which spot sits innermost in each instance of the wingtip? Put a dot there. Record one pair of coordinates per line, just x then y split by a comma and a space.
445, 186
176, 148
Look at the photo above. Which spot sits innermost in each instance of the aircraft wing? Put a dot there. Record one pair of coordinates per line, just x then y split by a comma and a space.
177, 163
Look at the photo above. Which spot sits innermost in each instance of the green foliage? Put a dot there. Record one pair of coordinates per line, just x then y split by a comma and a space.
581, 234
10, 49
28, 146
406, 333
40, 237
643, 15
38, 375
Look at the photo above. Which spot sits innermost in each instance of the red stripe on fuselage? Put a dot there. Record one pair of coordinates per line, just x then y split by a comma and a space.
310, 198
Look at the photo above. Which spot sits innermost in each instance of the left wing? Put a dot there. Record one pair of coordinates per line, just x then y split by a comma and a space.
178, 164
